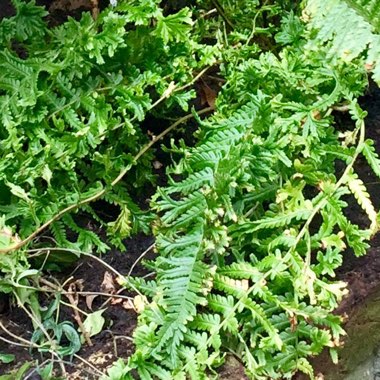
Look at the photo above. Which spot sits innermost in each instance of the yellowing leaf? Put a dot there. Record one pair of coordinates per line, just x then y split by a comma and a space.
47, 174
18, 191
122, 225
359, 191
94, 323
139, 303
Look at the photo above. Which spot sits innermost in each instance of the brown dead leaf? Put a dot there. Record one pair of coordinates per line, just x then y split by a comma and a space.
108, 285
90, 300
316, 115
157, 165
151, 134
115, 301
293, 322
74, 287
208, 95
128, 305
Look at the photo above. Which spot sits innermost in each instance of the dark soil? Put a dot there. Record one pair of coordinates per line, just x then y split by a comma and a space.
6, 9
114, 341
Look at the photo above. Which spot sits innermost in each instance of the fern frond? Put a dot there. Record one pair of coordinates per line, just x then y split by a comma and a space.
196, 338
358, 189
240, 271
193, 182
279, 220
356, 238
189, 356
180, 288
59, 232
149, 288
211, 324
177, 209
349, 28
225, 305
237, 288
258, 314
371, 156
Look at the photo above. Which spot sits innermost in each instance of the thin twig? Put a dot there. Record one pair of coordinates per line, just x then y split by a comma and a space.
61, 363
139, 258
74, 307
34, 370
89, 364
19, 338
220, 10
56, 289
115, 338
74, 302
14, 343
199, 75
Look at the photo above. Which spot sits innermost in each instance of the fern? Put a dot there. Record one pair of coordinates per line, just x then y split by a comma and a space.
240, 211
371, 156
71, 110
349, 28
234, 270
279, 220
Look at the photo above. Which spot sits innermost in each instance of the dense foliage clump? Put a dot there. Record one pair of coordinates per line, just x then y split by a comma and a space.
72, 101
251, 226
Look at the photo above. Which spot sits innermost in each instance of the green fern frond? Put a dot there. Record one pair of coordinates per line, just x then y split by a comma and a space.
175, 209
372, 157
259, 315
59, 232
221, 304
225, 305
356, 238
193, 182
240, 270
196, 338
279, 220
170, 245
349, 28
180, 285
189, 355
236, 288
149, 288
28, 22
207, 322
